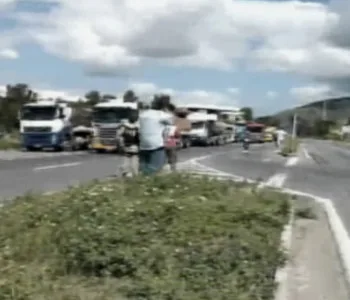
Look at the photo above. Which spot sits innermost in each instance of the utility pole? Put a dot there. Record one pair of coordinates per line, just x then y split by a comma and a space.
294, 132
324, 110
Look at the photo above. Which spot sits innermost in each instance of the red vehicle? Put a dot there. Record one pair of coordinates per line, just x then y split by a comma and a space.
256, 132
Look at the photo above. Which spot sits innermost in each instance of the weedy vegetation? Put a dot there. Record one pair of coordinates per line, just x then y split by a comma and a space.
9, 142
290, 147
170, 237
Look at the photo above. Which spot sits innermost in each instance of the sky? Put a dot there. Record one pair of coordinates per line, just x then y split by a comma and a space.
269, 55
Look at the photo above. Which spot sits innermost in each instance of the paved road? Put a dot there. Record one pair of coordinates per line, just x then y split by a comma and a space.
322, 169
56, 172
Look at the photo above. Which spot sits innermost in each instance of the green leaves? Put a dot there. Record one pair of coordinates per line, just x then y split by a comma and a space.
165, 237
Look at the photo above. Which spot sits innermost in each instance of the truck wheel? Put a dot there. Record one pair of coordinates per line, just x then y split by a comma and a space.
186, 143
58, 149
31, 149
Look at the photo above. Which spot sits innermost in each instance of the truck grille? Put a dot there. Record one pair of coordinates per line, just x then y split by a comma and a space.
256, 137
108, 135
36, 129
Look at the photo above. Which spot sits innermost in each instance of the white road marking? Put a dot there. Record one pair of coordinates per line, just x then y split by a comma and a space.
276, 181
267, 159
49, 167
292, 161
306, 153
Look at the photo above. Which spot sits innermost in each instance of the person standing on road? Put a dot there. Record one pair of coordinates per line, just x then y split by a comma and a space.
281, 134
128, 137
152, 125
274, 136
171, 138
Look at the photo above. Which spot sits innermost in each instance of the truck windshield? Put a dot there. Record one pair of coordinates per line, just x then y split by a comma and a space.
110, 115
197, 125
42, 113
255, 129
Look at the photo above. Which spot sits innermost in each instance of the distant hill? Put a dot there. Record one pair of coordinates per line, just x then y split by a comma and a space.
337, 109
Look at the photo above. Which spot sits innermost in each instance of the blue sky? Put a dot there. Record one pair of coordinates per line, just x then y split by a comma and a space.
267, 75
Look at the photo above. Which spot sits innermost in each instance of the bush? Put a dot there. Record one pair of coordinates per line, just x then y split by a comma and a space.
146, 238
334, 136
290, 146
9, 142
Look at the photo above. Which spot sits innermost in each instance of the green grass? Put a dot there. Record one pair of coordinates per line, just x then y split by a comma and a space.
290, 146
170, 237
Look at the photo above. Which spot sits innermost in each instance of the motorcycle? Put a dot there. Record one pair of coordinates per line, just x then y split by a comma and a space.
245, 144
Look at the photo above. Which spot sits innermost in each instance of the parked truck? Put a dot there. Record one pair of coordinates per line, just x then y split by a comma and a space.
207, 131
46, 124
106, 117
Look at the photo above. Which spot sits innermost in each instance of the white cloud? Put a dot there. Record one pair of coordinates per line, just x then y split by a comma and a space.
5, 4
316, 92
111, 36
234, 91
8, 54
321, 53
2, 90
146, 90
66, 95
271, 94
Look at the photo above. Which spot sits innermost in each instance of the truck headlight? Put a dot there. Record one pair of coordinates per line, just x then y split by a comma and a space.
54, 138
94, 132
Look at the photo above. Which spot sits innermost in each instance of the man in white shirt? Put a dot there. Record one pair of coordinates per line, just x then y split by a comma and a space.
281, 134
152, 124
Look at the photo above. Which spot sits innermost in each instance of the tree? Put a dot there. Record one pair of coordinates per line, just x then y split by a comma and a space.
268, 121
108, 97
93, 97
247, 113
16, 96
21, 93
161, 100
129, 96
322, 127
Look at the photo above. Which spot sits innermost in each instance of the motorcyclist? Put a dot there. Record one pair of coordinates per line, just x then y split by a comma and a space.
245, 138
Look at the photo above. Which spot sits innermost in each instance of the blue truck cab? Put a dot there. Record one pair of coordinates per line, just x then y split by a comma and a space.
45, 124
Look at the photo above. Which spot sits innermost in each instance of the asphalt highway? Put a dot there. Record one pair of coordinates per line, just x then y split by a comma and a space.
58, 171
321, 168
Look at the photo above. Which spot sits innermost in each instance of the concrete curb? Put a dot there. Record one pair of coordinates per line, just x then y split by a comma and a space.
281, 275
340, 234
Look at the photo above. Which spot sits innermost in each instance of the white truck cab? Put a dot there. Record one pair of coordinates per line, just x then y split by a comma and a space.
45, 124
200, 128
106, 118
